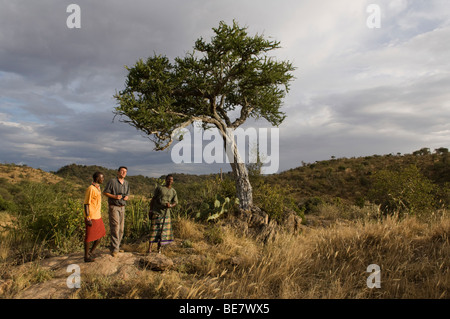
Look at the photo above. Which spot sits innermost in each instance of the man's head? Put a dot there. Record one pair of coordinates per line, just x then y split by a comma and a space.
122, 172
98, 177
169, 180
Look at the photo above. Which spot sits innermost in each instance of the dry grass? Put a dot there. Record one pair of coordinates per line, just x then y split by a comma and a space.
15, 173
325, 262
332, 262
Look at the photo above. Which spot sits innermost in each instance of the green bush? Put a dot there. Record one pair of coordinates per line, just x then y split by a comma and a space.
214, 234
275, 200
6, 205
47, 213
137, 223
312, 205
405, 191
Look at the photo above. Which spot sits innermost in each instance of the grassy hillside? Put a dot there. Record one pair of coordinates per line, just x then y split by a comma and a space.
16, 173
344, 180
141, 185
348, 181
351, 178
345, 230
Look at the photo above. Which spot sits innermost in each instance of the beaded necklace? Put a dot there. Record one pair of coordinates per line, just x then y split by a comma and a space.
97, 186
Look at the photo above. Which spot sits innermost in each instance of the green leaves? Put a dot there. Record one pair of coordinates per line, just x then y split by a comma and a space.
403, 191
231, 72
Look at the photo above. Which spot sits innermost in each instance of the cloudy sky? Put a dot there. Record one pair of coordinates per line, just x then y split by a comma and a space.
359, 90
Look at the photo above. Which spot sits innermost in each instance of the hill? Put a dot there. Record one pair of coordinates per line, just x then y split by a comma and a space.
347, 179
327, 257
350, 178
13, 173
141, 185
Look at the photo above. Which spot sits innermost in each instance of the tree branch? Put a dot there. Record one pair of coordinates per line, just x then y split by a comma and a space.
222, 112
245, 111
191, 120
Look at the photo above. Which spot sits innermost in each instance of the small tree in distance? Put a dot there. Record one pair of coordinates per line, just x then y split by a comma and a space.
231, 73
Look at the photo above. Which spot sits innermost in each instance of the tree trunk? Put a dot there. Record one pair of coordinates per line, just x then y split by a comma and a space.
243, 187
240, 173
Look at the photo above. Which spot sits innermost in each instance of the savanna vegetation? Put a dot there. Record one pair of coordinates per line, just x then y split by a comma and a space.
389, 210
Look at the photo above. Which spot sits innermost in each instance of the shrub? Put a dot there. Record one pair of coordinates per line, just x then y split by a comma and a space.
312, 205
214, 234
275, 200
6, 205
137, 223
405, 191
48, 213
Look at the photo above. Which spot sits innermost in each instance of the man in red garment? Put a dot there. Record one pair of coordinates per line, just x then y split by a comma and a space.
95, 229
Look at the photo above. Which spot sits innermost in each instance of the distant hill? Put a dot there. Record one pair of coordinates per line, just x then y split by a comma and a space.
349, 178
142, 185
346, 178
13, 174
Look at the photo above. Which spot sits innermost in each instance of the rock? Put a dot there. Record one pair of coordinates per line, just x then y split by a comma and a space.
255, 222
156, 262
267, 232
292, 223
258, 217
122, 267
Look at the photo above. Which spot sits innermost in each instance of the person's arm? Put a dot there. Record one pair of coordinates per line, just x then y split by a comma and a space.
88, 217
152, 201
150, 212
87, 201
127, 192
171, 204
112, 196
174, 201
108, 190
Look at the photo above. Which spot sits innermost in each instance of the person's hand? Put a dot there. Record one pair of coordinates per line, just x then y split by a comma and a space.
88, 222
168, 205
118, 196
125, 198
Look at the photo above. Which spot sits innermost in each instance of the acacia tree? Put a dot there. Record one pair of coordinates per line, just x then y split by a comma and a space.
232, 74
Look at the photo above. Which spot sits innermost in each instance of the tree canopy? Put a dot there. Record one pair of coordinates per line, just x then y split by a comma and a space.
231, 73
220, 83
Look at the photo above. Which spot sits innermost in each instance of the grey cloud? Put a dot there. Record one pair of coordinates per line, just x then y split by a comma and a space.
57, 84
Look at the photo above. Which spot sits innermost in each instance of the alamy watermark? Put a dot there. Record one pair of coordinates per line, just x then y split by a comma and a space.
374, 280
74, 280
208, 146
374, 19
74, 19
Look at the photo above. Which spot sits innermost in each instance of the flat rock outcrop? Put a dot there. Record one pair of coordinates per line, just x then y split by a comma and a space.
64, 268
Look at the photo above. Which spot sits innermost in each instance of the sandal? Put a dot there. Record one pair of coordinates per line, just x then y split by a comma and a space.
93, 255
89, 259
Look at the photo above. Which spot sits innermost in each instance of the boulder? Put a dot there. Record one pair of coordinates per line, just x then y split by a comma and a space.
256, 223
292, 223
157, 262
